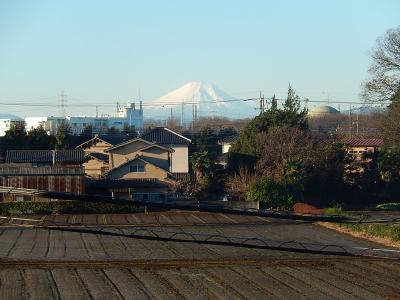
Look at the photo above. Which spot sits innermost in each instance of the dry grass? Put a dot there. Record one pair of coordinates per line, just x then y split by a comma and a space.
364, 233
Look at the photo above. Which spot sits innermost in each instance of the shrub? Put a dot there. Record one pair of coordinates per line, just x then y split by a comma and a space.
388, 206
270, 193
65, 207
238, 184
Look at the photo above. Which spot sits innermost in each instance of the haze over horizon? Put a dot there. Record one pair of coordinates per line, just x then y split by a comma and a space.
101, 52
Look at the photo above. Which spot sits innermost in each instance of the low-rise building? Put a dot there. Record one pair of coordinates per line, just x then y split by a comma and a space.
45, 178
166, 137
97, 160
227, 142
7, 121
50, 124
360, 145
138, 160
46, 170
128, 115
159, 158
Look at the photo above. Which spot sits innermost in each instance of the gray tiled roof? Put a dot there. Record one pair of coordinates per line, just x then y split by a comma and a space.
114, 139
44, 156
99, 156
165, 136
229, 139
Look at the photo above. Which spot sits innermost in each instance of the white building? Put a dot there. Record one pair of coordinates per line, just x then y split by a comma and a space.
126, 115
50, 124
9, 120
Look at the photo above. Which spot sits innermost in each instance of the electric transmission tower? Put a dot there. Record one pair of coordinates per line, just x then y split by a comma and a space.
62, 104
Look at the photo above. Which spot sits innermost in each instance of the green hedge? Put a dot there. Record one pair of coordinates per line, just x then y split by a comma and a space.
65, 207
388, 206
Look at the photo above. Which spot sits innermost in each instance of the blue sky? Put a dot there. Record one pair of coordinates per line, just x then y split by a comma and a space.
105, 51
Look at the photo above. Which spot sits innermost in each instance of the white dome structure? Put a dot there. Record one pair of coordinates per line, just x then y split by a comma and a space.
322, 111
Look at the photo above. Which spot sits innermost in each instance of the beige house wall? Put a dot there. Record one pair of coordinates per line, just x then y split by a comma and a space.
95, 168
150, 172
358, 150
157, 156
180, 159
121, 155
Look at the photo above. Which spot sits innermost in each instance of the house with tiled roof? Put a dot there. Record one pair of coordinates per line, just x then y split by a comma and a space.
101, 142
227, 142
96, 159
360, 145
159, 157
168, 138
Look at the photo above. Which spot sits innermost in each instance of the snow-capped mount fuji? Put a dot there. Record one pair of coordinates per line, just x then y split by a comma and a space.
203, 97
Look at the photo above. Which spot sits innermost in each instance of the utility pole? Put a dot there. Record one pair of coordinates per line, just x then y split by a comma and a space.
263, 100
350, 121
62, 104
182, 113
193, 117
357, 120
262, 103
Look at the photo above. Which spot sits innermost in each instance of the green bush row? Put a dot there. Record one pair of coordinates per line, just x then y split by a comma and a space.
66, 207
388, 206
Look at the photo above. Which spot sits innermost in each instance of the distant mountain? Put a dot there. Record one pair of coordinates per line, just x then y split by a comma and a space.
9, 116
365, 110
208, 99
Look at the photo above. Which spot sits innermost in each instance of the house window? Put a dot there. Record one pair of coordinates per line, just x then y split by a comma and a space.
136, 168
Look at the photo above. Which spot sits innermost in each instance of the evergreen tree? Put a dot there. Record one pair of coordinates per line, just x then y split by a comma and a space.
206, 140
87, 130
39, 139
130, 130
274, 104
15, 137
291, 115
113, 130
63, 136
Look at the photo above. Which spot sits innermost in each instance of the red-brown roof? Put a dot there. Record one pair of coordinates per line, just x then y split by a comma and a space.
364, 142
